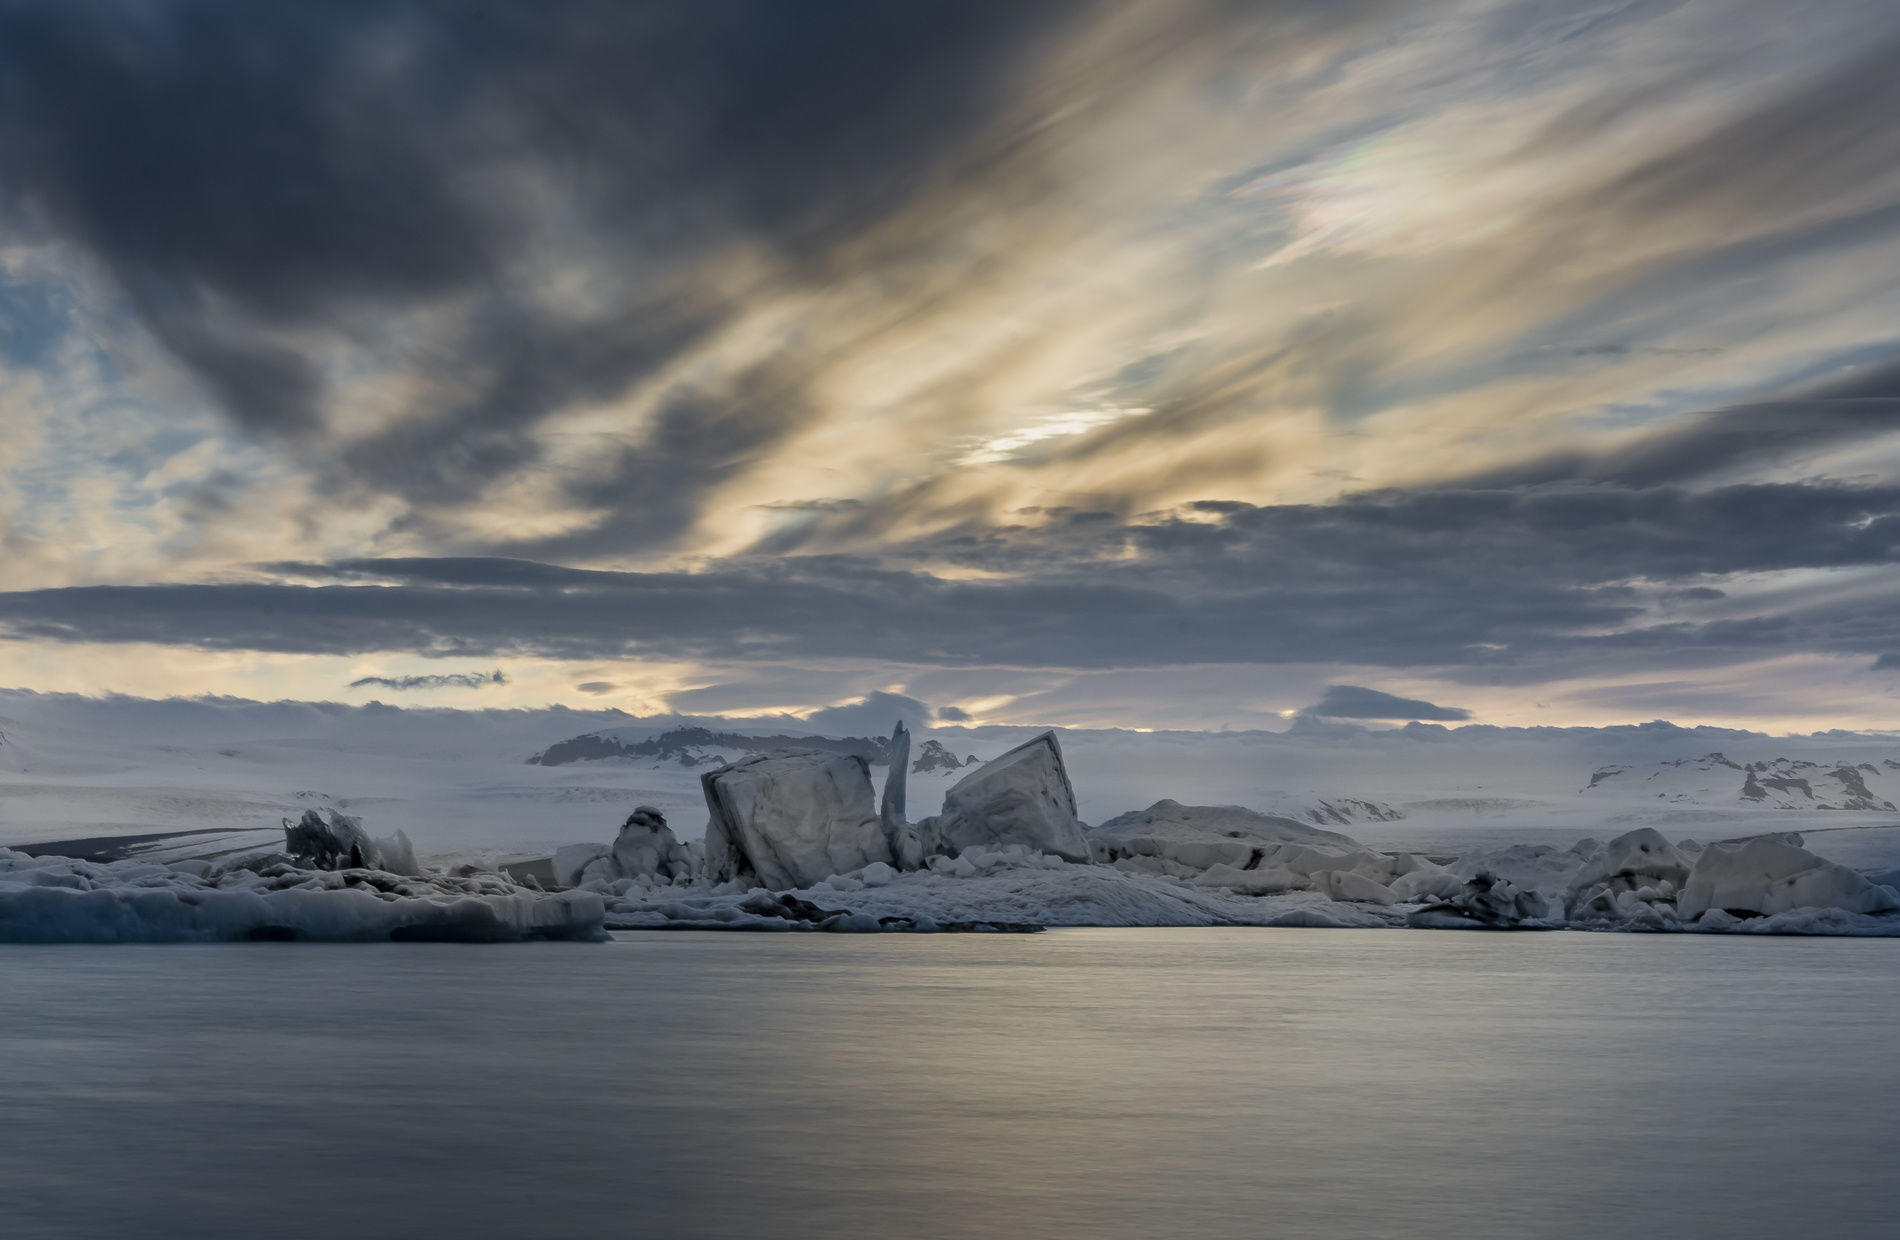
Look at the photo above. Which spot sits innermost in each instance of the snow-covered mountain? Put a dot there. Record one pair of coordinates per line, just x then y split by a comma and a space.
1328, 810
932, 757
1780, 783
697, 747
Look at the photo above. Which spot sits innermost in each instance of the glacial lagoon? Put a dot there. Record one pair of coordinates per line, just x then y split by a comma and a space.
1237, 1082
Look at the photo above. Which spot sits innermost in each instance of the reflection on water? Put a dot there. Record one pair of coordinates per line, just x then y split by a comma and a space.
1087, 1083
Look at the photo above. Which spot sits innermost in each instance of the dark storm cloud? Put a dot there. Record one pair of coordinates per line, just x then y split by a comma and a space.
1523, 578
1358, 702
446, 680
1887, 662
1606, 557
266, 181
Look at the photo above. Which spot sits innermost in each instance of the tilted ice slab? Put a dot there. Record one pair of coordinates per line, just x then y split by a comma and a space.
1021, 798
790, 819
57, 900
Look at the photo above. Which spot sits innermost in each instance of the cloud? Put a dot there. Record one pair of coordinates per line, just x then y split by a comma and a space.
1535, 578
871, 715
299, 204
953, 714
818, 349
1626, 350
1887, 662
1358, 702
445, 680
596, 687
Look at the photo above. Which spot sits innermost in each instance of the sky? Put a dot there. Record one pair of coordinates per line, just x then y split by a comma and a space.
1192, 365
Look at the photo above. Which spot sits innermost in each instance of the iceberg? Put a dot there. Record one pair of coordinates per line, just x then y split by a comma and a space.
60, 900
646, 848
1487, 902
336, 841
890, 809
1243, 850
1010, 888
1199, 837
1770, 874
1635, 878
1023, 797
788, 820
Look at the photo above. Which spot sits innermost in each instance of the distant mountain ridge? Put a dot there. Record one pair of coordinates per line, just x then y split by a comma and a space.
697, 746
1774, 783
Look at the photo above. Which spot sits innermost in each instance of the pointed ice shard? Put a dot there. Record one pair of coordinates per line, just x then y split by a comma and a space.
891, 810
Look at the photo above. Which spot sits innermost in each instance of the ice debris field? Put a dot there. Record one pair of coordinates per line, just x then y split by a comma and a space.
115, 828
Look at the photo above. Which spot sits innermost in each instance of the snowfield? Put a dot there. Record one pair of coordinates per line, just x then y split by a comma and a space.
125, 819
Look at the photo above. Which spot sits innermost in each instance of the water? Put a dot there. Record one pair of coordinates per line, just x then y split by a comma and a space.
1086, 1083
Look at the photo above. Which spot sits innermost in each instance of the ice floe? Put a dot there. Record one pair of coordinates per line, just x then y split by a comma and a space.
55, 899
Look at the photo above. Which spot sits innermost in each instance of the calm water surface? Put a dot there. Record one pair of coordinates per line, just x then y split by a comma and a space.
1083, 1083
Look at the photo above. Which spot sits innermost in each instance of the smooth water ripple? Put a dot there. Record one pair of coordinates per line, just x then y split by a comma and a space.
1083, 1083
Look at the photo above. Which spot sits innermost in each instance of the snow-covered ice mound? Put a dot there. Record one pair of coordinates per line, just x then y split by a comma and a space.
1635, 878
1263, 854
1775, 874
645, 848
58, 900
983, 889
1015, 887
1199, 836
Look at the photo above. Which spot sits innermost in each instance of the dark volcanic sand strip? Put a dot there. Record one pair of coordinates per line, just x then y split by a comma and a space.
117, 847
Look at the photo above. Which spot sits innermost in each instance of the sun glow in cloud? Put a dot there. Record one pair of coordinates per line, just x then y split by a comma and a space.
1010, 445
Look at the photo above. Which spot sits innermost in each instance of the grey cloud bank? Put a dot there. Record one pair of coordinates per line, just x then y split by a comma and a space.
1358, 702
